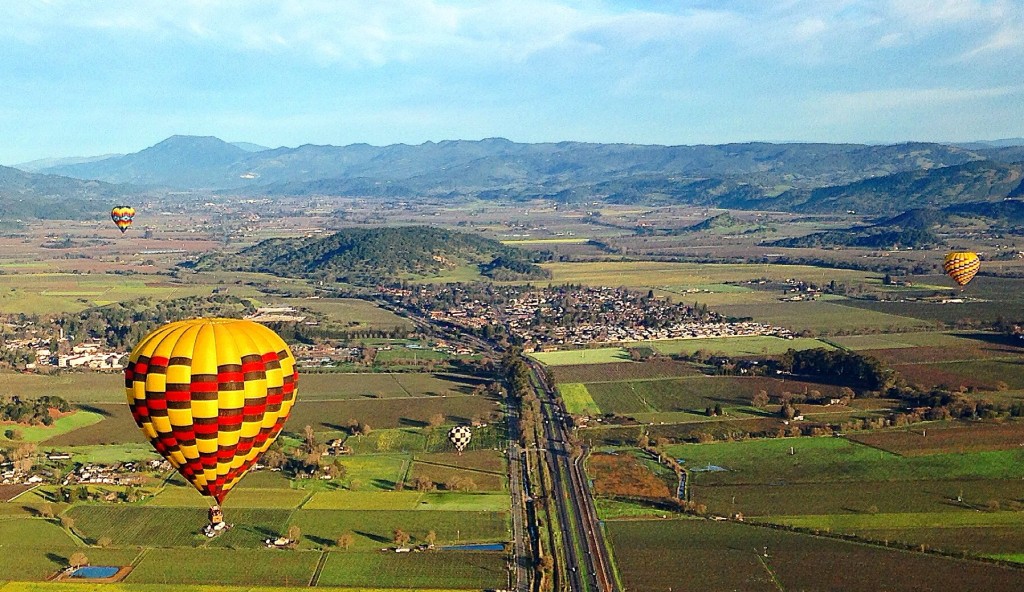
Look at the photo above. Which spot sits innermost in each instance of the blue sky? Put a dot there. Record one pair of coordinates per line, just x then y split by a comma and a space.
94, 77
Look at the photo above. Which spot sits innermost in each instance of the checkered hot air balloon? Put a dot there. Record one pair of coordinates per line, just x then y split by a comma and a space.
962, 266
211, 395
460, 437
122, 216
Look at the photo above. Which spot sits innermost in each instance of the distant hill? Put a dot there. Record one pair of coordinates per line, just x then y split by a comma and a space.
974, 181
249, 146
34, 166
368, 256
516, 170
51, 197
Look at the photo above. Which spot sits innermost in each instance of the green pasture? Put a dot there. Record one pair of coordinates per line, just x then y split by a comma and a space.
652, 274
74, 387
351, 314
852, 522
241, 497
251, 567
836, 460
598, 355
108, 454
62, 425
690, 394
116, 427
334, 416
481, 480
340, 386
990, 372
655, 368
897, 340
43, 293
454, 569
754, 345
765, 500
729, 556
577, 399
375, 528
406, 354
364, 500
824, 318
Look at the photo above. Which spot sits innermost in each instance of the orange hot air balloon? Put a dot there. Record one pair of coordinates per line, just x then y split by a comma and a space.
211, 395
122, 217
962, 266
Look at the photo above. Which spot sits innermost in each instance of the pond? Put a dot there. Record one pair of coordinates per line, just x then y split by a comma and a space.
95, 571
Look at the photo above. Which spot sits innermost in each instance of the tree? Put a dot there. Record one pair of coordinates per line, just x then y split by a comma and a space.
435, 420
760, 399
346, 540
294, 533
78, 559
67, 522
431, 538
718, 410
401, 537
309, 438
104, 541
365, 429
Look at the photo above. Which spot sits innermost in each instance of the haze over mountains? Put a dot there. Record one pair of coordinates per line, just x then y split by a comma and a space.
885, 179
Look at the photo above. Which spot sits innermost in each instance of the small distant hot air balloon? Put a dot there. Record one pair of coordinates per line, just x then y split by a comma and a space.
962, 266
122, 216
460, 437
211, 395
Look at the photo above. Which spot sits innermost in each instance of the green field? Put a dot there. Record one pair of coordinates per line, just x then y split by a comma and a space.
62, 425
651, 274
74, 387
824, 318
734, 556
263, 567
577, 399
898, 340
457, 569
599, 355
350, 314
836, 460
45, 293
755, 345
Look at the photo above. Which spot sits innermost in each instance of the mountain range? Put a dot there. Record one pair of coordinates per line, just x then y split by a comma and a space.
874, 179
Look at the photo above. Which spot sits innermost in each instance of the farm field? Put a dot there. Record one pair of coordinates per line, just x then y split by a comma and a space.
690, 394
74, 387
388, 413
62, 425
758, 345
351, 314
658, 368
977, 342
48, 292
644, 274
598, 355
455, 569
951, 438
794, 561
116, 427
248, 567
577, 399
825, 318
341, 386
836, 460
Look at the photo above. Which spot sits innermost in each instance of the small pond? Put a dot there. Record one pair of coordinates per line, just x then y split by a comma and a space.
95, 572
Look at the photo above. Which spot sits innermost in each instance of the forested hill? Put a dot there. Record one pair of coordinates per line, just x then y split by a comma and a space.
31, 196
363, 256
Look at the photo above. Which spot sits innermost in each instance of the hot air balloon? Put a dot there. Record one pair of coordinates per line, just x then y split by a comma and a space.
962, 266
460, 437
122, 216
211, 395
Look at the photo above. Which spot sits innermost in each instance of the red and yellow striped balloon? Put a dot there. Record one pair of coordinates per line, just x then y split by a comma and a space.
962, 266
122, 216
211, 395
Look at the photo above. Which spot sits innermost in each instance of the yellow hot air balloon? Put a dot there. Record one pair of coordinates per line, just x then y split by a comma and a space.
962, 266
211, 395
122, 216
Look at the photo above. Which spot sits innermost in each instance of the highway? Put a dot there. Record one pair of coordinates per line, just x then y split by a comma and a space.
589, 567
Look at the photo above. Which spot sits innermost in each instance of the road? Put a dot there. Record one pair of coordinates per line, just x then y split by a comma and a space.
589, 568
522, 554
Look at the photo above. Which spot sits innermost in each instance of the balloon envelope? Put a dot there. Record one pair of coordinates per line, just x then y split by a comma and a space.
460, 437
962, 266
211, 395
122, 216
